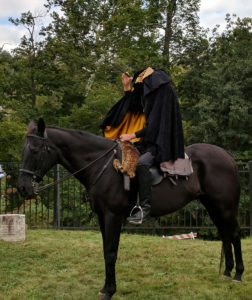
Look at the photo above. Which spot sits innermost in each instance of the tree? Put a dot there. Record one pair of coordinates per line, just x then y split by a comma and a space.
6, 72
71, 44
71, 77
11, 133
219, 107
178, 22
89, 116
28, 49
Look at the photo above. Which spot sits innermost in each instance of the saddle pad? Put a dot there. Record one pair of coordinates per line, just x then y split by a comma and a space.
181, 166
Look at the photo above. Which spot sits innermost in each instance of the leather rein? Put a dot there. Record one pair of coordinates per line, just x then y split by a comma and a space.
35, 174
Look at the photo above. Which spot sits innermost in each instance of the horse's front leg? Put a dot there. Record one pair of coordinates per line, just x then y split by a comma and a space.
102, 227
110, 225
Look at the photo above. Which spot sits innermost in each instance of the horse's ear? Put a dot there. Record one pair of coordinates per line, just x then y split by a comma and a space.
31, 125
41, 127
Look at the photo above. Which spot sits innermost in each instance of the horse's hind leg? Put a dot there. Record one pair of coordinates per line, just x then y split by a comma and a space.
236, 241
229, 260
229, 231
231, 234
226, 240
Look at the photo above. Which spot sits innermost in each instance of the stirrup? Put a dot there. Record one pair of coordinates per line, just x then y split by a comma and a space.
139, 207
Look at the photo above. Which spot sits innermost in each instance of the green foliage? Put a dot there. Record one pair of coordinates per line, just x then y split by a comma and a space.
219, 107
71, 77
130, 33
89, 116
11, 133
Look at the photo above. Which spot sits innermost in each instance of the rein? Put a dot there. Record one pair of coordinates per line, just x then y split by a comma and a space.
38, 189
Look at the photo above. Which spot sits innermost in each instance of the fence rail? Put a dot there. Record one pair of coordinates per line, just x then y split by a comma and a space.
65, 206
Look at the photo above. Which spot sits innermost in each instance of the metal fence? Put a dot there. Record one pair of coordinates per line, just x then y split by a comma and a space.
66, 206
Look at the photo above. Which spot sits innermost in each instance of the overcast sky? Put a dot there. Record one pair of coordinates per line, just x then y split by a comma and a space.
212, 12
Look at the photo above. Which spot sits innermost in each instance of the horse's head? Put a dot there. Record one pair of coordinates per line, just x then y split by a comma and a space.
38, 157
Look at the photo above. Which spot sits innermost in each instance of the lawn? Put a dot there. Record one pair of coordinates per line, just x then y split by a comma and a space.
69, 265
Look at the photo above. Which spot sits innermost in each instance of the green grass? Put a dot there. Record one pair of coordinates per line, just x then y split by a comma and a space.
69, 265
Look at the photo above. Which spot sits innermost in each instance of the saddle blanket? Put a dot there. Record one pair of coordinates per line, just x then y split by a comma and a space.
180, 167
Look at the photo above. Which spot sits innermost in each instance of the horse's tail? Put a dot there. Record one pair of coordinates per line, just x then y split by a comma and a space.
221, 258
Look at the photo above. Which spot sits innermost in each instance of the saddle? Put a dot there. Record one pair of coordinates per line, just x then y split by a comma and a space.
182, 167
127, 158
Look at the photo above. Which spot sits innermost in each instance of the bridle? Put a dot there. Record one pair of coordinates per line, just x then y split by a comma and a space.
37, 174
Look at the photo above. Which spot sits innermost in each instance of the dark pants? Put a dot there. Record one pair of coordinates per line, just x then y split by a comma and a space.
146, 159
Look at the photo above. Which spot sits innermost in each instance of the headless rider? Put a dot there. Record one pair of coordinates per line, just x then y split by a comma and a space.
149, 116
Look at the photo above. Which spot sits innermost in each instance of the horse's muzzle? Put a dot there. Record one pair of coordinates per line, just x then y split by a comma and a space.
25, 186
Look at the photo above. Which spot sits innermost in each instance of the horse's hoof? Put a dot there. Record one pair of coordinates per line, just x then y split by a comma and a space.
103, 297
225, 277
237, 281
106, 297
101, 293
237, 278
227, 274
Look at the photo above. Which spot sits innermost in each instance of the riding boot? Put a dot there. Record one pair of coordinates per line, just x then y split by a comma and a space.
144, 188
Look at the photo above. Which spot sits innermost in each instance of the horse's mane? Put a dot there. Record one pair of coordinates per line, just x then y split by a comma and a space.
74, 132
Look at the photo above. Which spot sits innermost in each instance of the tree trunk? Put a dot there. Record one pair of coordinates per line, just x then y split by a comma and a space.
32, 66
170, 12
33, 86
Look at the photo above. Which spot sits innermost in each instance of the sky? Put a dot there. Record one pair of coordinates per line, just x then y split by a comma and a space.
212, 12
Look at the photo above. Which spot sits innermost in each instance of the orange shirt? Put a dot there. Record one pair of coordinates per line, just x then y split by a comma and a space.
131, 123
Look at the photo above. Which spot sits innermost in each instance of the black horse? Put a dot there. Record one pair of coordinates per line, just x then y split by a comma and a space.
214, 182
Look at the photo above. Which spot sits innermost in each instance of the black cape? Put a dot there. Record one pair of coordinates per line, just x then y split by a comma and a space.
163, 119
